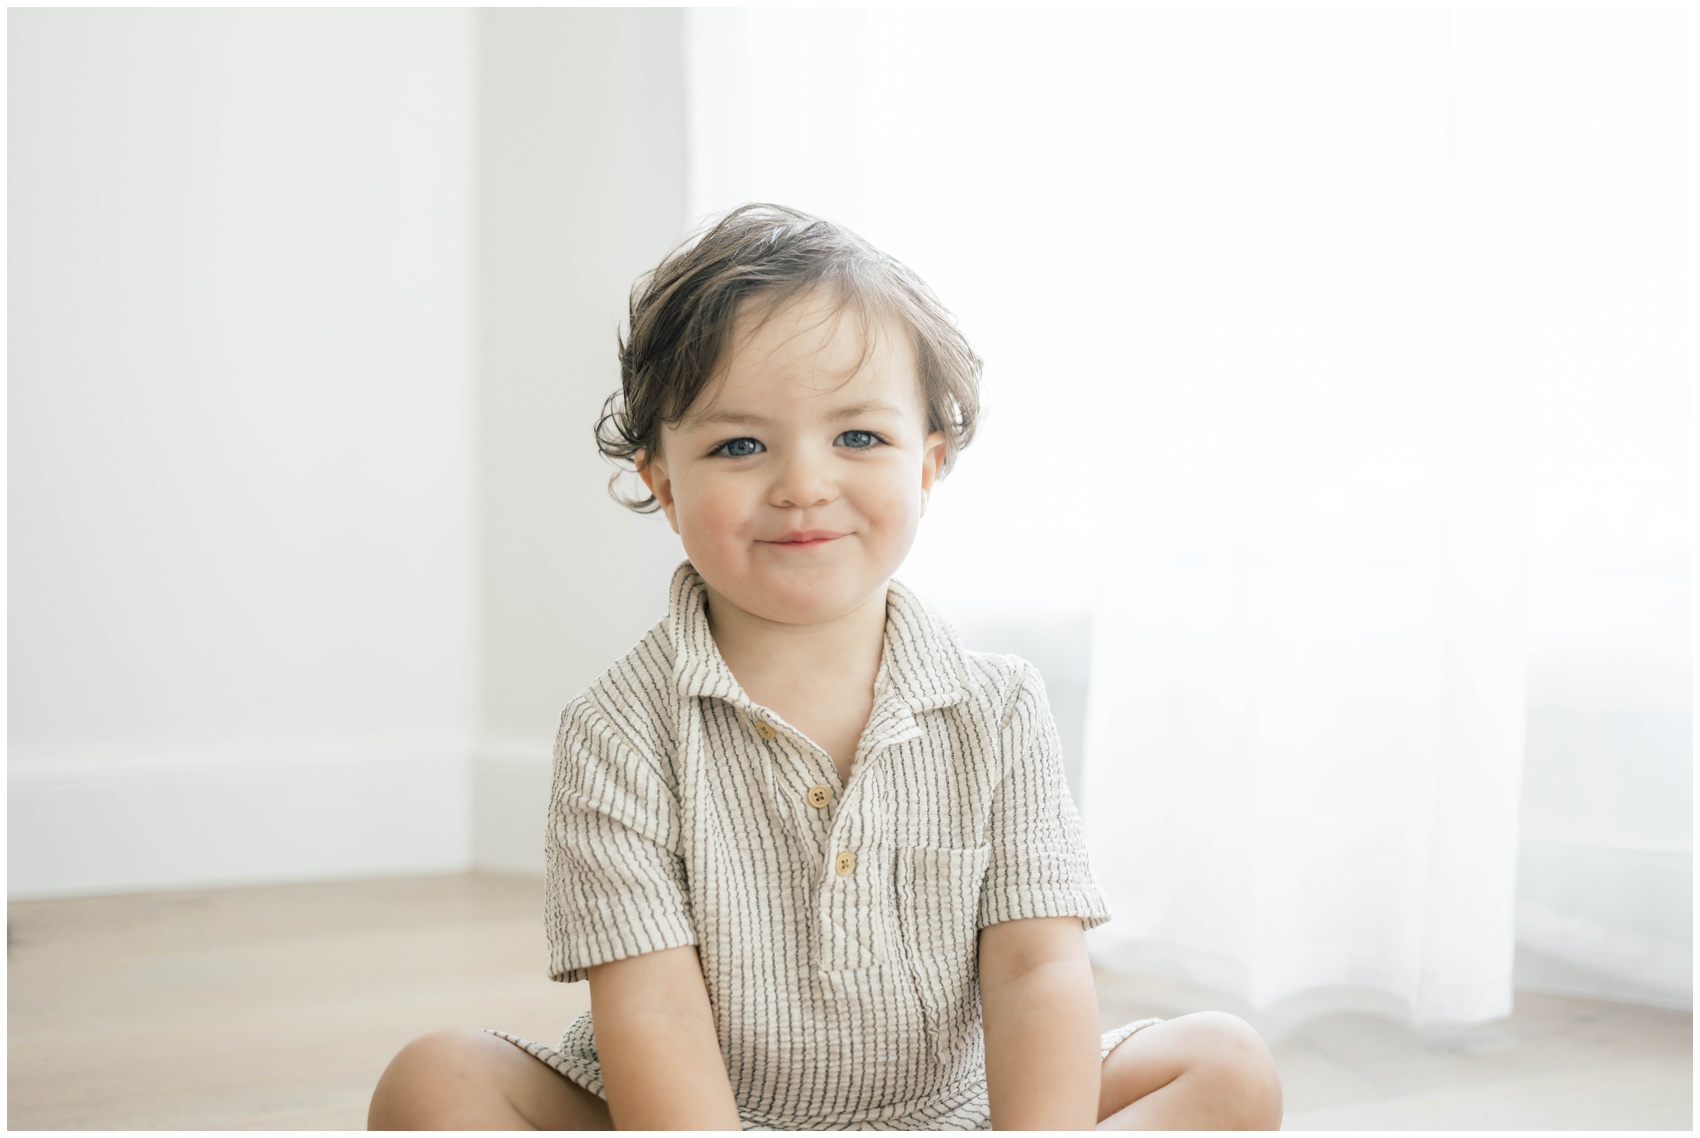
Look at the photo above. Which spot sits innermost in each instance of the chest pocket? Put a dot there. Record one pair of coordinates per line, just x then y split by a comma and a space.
938, 903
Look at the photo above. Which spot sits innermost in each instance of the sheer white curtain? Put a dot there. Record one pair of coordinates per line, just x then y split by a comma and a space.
1248, 285
1306, 728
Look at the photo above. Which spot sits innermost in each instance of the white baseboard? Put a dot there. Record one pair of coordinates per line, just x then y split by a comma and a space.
510, 798
123, 824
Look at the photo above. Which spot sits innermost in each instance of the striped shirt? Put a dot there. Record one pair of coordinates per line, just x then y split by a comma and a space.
836, 923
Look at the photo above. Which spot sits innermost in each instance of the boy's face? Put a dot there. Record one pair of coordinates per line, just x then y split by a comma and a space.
796, 482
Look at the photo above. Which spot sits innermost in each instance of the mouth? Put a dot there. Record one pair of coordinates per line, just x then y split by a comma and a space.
805, 539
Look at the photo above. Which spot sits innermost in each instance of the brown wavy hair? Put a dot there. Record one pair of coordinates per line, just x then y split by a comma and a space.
682, 314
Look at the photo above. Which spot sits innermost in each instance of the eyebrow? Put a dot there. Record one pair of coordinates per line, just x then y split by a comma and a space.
750, 418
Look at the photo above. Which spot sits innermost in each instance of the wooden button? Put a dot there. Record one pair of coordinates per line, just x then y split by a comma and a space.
846, 862
819, 796
765, 730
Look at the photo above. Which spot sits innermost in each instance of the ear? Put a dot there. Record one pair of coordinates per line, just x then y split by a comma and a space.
932, 458
654, 474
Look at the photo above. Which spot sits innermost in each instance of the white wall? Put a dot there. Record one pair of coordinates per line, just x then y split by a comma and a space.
312, 313
240, 445
581, 188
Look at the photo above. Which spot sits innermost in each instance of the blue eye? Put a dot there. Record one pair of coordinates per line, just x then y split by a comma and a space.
738, 448
859, 440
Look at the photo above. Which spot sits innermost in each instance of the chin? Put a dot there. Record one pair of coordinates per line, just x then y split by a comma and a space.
797, 603
801, 606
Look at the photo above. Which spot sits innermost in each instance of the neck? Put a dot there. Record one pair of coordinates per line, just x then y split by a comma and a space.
762, 652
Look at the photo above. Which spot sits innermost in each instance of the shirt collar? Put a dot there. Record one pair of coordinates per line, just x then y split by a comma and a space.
921, 666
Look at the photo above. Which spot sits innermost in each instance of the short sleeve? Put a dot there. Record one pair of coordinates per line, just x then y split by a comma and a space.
614, 879
1038, 865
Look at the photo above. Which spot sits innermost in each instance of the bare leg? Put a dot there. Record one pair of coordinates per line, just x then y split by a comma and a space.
462, 1079
1205, 1071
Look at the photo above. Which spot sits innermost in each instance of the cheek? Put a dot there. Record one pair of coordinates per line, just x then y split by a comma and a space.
896, 507
710, 509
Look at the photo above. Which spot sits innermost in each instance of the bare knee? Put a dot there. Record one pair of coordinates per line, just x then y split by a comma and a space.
433, 1084
1230, 1056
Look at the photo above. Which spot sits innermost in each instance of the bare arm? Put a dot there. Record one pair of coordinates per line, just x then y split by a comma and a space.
661, 1061
1040, 1010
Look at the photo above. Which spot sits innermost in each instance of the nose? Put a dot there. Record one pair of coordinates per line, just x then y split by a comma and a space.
802, 481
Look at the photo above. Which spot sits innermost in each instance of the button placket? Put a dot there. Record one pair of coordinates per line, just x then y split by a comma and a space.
855, 863
818, 795
854, 922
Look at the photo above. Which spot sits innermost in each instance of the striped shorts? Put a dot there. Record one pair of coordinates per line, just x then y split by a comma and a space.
966, 1110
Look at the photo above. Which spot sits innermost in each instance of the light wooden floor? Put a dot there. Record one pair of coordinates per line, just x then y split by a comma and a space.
276, 1008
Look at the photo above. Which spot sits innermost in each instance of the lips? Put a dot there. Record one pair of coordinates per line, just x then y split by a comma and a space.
806, 537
